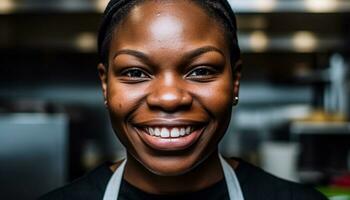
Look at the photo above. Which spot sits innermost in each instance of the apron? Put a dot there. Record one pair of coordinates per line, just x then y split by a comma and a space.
233, 187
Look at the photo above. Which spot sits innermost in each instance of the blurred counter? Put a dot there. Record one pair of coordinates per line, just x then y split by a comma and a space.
33, 154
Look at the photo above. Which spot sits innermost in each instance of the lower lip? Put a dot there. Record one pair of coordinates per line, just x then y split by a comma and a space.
170, 144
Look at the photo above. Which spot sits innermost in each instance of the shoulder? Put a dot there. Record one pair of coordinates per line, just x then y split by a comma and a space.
91, 186
258, 184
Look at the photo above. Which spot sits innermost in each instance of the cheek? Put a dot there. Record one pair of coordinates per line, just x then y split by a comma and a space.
123, 99
216, 97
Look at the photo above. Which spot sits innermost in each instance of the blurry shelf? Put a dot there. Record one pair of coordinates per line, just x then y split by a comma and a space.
324, 128
299, 6
297, 41
60, 6
240, 6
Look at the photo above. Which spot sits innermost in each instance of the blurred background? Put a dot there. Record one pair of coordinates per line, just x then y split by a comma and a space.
292, 119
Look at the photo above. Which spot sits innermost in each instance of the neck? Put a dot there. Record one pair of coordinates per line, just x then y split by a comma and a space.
204, 175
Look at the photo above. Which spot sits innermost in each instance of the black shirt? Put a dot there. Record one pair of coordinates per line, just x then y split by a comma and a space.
255, 184
215, 192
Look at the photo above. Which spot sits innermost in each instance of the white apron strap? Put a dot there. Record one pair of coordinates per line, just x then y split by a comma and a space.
233, 187
112, 189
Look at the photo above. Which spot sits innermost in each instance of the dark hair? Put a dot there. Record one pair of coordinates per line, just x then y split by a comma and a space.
117, 9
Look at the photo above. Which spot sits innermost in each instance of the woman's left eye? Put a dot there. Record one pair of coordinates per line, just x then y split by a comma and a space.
201, 72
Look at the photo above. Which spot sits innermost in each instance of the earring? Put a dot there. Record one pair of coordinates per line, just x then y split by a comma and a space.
235, 101
106, 103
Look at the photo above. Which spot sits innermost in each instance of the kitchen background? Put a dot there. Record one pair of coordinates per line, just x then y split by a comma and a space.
292, 119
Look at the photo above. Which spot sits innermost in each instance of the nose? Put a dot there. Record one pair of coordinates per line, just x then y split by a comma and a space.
169, 96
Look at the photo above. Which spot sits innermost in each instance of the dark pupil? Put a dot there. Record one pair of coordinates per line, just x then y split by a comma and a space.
201, 72
135, 73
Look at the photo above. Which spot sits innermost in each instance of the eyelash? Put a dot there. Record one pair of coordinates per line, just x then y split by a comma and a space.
209, 72
140, 75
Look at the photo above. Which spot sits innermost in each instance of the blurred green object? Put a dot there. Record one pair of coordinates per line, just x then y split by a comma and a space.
335, 193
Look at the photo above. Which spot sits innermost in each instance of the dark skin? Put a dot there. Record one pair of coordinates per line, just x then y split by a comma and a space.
168, 69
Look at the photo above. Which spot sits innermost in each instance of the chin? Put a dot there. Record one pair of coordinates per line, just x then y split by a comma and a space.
170, 170
169, 165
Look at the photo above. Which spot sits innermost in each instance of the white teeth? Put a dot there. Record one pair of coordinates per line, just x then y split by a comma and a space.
169, 132
157, 132
182, 132
165, 133
188, 130
175, 132
151, 131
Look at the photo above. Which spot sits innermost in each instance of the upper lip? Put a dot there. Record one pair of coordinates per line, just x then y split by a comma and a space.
169, 123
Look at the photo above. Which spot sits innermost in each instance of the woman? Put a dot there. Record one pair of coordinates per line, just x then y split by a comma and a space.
170, 73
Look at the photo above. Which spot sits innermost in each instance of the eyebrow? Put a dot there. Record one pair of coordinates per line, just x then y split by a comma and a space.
188, 55
202, 50
135, 53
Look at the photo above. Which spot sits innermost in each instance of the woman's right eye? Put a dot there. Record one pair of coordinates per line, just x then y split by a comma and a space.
134, 73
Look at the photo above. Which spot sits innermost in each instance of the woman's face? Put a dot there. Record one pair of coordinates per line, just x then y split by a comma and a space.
169, 85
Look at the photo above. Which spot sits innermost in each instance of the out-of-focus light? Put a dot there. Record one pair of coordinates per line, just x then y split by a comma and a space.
101, 5
321, 5
260, 5
266, 5
304, 41
259, 41
7, 6
86, 41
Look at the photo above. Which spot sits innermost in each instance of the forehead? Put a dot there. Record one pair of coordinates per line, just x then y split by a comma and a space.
167, 25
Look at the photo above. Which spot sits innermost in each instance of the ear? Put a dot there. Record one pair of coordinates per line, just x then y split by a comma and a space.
103, 74
236, 79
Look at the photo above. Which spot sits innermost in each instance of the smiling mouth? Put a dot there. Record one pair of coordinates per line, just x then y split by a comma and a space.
170, 137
